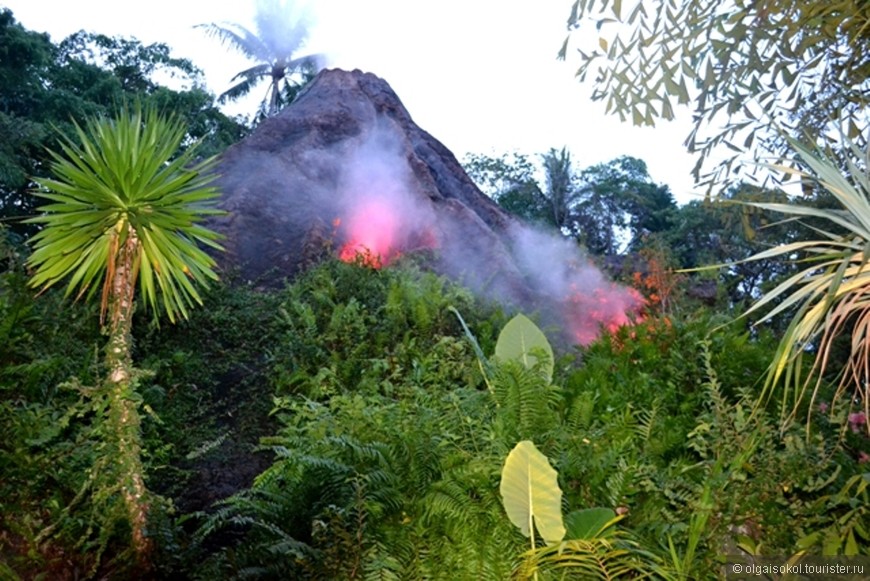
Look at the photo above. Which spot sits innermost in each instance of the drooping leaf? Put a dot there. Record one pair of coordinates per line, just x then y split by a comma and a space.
828, 294
530, 493
517, 340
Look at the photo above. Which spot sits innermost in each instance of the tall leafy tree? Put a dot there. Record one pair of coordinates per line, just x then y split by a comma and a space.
124, 208
608, 207
512, 181
561, 190
281, 31
727, 230
618, 204
132, 63
803, 65
133, 68
25, 57
509, 179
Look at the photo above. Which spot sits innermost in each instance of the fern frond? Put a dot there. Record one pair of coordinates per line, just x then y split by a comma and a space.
527, 402
611, 558
645, 422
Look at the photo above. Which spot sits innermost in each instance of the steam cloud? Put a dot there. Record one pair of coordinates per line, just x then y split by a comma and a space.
282, 26
381, 216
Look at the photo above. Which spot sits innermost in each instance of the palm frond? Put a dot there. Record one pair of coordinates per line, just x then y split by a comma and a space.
283, 25
832, 292
253, 74
281, 31
307, 62
598, 558
117, 179
240, 38
237, 91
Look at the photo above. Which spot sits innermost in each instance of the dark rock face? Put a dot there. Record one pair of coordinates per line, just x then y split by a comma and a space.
345, 170
292, 187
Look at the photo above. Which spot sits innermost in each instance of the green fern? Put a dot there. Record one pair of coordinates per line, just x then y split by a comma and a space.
615, 557
527, 403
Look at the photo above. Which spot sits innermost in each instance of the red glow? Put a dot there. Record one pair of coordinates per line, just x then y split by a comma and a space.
604, 308
376, 234
372, 233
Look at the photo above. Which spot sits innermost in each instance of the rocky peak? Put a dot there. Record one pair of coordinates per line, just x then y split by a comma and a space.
345, 169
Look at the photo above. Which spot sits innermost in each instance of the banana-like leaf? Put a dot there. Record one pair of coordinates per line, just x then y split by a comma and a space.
517, 340
530, 493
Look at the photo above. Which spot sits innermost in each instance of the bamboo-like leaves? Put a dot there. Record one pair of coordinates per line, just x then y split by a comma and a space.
124, 176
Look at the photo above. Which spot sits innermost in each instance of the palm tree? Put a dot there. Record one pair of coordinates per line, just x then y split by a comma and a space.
125, 208
281, 30
560, 180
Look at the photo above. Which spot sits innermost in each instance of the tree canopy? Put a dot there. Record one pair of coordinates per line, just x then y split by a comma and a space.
750, 69
619, 204
46, 86
608, 207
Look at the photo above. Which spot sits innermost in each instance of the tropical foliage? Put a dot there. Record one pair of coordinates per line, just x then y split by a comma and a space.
828, 293
352, 462
121, 188
46, 85
363, 423
384, 451
124, 206
805, 63
607, 207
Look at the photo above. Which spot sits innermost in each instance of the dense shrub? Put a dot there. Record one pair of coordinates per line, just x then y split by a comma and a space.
345, 427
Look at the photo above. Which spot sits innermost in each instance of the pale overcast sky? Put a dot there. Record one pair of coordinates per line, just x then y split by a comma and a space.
479, 75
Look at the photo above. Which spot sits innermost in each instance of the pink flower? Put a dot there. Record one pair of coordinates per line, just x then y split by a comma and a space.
863, 457
857, 421
823, 407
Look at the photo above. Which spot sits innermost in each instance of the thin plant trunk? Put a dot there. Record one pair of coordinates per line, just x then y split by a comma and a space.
273, 101
123, 414
279, 70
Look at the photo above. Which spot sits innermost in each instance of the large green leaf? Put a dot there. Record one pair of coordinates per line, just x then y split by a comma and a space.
589, 523
530, 493
517, 340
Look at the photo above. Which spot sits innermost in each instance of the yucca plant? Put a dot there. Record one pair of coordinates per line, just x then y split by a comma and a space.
125, 207
831, 293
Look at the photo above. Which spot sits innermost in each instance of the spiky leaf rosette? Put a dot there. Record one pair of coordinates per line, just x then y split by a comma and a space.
124, 177
830, 296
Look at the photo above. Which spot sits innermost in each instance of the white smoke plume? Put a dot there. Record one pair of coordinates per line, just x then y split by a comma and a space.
588, 301
283, 26
379, 215
382, 215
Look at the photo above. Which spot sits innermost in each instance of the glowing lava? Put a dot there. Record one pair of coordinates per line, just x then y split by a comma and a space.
606, 308
372, 234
